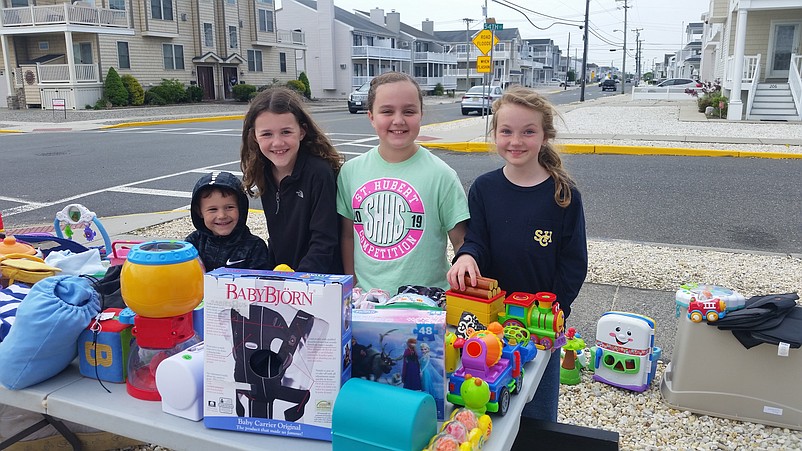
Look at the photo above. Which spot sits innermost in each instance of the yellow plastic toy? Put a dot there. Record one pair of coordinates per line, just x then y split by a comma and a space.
283, 268
25, 268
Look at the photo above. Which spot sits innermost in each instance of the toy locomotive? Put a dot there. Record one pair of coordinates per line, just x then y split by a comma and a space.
538, 313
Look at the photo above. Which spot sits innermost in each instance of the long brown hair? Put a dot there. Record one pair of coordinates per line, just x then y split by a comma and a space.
280, 101
548, 157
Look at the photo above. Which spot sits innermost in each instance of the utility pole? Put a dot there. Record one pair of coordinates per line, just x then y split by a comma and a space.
467, 51
568, 51
624, 62
637, 53
585, 53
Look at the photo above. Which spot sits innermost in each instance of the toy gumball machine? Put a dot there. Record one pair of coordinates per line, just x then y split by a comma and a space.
162, 282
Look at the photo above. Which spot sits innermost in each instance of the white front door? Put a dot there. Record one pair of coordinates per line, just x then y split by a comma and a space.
3, 88
783, 41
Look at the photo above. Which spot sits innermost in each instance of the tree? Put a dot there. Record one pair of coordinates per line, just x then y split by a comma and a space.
114, 89
571, 75
136, 95
305, 80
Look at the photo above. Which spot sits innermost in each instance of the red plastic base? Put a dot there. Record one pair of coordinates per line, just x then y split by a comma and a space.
143, 376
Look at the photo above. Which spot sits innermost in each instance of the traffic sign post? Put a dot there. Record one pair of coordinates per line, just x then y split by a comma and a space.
494, 26
484, 41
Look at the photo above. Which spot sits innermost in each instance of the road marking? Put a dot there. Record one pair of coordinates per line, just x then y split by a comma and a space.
152, 192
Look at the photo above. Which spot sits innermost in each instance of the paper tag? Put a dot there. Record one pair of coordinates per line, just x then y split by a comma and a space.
103, 316
772, 410
782, 349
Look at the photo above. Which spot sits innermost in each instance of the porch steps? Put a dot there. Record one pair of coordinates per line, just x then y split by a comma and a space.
773, 102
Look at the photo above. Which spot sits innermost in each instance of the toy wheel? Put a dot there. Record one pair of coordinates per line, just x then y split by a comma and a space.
519, 384
546, 343
514, 322
712, 317
695, 317
516, 334
503, 401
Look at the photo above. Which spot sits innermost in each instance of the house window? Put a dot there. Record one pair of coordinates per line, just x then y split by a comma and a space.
173, 56
282, 62
265, 20
255, 60
265, 2
208, 37
44, 45
161, 9
232, 37
123, 58
232, 2
19, 3
499, 47
117, 4
82, 52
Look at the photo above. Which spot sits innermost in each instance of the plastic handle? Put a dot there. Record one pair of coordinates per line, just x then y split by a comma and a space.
23, 256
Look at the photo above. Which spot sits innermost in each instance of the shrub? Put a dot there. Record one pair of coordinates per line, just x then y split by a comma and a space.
114, 90
194, 93
297, 86
438, 89
152, 97
172, 91
242, 93
305, 80
102, 103
136, 95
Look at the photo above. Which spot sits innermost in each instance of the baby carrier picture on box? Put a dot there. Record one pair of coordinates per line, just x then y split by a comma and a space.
277, 346
401, 347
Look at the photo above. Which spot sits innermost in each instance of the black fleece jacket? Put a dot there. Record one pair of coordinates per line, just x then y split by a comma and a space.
302, 217
239, 249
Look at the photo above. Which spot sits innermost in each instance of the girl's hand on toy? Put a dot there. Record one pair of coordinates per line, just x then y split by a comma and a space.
465, 265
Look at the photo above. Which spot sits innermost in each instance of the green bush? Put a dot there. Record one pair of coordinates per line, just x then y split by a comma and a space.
305, 80
242, 93
297, 86
172, 91
152, 97
136, 95
438, 89
194, 93
101, 104
114, 90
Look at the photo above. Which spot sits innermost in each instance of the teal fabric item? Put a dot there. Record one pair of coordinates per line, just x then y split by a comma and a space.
43, 340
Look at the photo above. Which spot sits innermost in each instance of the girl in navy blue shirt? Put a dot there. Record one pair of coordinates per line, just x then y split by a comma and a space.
527, 226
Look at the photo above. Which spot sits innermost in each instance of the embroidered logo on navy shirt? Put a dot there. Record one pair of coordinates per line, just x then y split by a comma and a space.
543, 237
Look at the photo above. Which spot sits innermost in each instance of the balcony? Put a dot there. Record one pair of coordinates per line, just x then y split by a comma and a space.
364, 51
291, 37
64, 14
429, 83
60, 73
434, 57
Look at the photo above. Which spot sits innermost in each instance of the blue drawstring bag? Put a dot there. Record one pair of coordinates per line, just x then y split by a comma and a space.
43, 340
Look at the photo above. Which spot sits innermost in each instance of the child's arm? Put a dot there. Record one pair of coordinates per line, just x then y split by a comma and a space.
347, 245
465, 264
457, 235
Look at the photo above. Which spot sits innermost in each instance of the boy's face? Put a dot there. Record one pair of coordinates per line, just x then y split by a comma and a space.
220, 212
396, 117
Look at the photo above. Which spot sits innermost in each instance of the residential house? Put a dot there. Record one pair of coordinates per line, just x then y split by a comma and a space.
511, 62
689, 57
347, 49
752, 46
545, 52
63, 49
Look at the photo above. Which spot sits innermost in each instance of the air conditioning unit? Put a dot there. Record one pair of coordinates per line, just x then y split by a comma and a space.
240, 23
343, 66
404, 44
183, 17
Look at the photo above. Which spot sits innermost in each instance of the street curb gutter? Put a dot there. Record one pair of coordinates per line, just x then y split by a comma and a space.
176, 121
607, 149
10, 131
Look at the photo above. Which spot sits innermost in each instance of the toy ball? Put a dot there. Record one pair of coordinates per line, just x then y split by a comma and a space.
443, 442
466, 417
162, 278
283, 268
456, 429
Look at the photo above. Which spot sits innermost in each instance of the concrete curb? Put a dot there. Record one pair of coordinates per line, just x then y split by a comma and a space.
609, 149
11, 131
175, 121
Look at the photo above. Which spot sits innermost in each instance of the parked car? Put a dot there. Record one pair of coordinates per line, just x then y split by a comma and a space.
679, 83
479, 99
358, 100
557, 81
608, 85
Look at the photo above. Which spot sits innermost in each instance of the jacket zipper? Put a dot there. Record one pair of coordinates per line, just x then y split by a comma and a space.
278, 201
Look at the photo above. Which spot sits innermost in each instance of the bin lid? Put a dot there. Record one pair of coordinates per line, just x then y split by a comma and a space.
733, 299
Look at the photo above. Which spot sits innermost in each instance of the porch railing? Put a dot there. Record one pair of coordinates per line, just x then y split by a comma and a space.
60, 73
750, 71
795, 82
366, 51
755, 72
65, 13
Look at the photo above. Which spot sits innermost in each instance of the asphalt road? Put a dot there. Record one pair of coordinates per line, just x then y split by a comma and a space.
729, 203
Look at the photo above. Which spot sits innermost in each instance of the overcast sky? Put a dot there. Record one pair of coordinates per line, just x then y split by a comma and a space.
662, 22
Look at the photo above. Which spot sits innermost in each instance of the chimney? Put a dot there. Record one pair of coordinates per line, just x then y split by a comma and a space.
427, 26
394, 22
377, 16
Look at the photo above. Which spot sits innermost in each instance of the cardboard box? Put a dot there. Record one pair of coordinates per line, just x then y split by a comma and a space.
402, 347
277, 350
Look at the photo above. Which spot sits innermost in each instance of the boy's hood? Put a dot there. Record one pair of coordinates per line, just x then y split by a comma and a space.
220, 179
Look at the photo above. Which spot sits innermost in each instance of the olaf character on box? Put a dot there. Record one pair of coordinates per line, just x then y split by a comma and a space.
625, 354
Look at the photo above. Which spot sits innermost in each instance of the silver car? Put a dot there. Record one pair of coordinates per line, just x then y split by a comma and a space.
479, 99
358, 100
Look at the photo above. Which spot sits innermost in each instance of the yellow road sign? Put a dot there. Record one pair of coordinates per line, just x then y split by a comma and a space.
483, 64
484, 41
